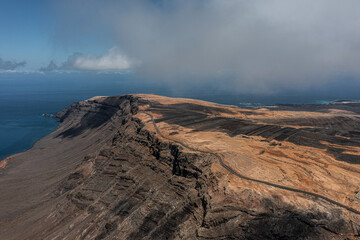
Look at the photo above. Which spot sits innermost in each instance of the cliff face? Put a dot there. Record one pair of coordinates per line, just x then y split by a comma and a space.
150, 167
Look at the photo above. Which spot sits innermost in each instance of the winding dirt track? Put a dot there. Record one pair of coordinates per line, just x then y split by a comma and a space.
232, 171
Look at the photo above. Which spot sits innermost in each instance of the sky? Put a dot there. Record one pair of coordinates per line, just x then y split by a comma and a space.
28, 30
259, 46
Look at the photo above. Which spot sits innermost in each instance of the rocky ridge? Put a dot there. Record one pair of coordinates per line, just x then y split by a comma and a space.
113, 173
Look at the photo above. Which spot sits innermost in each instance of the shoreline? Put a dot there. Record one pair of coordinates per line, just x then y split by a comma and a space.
108, 157
318, 104
31, 142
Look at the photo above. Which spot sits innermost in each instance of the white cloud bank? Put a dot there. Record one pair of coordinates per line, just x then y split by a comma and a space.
111, 60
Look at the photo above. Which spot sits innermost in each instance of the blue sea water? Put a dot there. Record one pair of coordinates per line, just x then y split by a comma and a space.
25, 97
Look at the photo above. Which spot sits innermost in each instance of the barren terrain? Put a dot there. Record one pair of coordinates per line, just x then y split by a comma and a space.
147, 166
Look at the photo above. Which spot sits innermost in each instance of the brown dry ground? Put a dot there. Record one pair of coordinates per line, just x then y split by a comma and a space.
101, 174
312, 169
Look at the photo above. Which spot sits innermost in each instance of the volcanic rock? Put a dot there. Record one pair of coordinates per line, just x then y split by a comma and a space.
152, 167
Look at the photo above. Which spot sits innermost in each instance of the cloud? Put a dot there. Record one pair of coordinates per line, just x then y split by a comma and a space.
10, 65
259, 45
49, 68
112, 60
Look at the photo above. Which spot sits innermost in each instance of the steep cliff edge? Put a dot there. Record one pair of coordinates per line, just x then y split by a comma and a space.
151, 167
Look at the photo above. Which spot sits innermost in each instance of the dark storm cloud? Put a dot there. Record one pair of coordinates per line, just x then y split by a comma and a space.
10, 65
257, 45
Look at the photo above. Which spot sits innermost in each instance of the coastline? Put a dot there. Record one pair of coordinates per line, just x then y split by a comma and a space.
108, 159
30, 140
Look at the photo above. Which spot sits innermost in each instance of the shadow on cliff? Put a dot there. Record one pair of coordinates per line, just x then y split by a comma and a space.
292, 225
91, 120
282, 225
287, 226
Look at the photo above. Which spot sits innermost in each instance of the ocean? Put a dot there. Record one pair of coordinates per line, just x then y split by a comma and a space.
25, 97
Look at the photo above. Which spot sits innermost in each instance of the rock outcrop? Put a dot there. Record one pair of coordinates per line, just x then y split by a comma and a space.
150, 167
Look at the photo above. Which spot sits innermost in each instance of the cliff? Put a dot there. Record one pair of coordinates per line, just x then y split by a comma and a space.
151, 167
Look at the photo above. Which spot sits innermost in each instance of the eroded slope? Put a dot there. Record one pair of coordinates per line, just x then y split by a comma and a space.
146, 167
